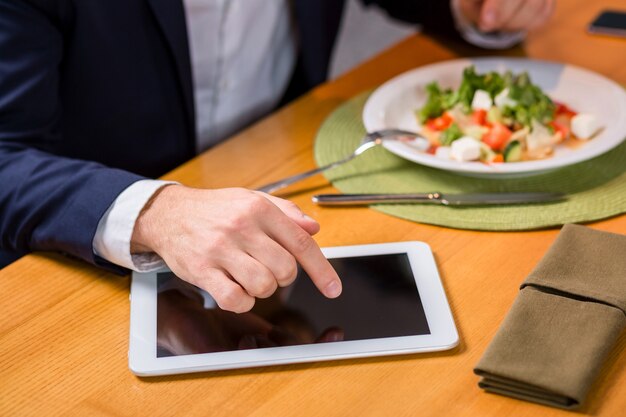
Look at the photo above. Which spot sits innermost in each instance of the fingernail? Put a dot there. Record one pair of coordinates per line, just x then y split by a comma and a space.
309, 218
333, 290
489, 19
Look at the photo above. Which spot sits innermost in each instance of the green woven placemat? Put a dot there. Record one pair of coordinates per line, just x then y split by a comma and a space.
596, 188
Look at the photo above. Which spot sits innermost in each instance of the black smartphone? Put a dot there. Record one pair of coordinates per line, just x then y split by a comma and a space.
609, 22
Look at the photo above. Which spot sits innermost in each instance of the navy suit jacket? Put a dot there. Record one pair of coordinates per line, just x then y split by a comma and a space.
95, 95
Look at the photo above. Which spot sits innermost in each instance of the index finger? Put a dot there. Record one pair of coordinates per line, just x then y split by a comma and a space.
302, 246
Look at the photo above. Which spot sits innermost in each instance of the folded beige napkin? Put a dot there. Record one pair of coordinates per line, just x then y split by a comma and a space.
570, 311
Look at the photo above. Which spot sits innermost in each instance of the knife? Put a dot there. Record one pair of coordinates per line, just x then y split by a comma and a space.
482, 199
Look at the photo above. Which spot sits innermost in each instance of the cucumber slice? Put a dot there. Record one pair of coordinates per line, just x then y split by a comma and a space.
494, 115
486, 153
513, 151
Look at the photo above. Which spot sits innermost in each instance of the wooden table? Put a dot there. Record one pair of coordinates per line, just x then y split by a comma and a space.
64, 324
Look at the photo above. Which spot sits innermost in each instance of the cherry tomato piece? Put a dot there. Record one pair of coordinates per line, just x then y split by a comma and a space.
479, 117
440, 123
560, 128
497, 136
562, 109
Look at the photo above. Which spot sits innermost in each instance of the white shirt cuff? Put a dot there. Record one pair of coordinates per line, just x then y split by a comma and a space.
115, 229
491, 40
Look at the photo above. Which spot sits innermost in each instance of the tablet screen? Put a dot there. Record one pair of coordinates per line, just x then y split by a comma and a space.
379, 299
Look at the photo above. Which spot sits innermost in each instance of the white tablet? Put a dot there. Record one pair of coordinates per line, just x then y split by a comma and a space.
392, 303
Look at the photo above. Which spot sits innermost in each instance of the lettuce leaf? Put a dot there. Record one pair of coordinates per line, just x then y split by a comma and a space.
532, 103
437, 102
452, 133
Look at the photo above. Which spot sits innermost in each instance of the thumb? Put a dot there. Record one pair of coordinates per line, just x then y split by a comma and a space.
294, 213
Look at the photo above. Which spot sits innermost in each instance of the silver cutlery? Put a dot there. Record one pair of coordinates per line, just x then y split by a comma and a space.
369, 141
480, 199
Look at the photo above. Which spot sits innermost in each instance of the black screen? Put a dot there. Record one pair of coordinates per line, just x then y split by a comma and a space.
610, 20
379, 299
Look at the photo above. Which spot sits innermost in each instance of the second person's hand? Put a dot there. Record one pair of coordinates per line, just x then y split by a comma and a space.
507, 15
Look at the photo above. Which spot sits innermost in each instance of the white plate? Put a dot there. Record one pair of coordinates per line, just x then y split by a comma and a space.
393, 105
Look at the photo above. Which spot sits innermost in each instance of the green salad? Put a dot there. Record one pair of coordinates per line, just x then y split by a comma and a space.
495, 117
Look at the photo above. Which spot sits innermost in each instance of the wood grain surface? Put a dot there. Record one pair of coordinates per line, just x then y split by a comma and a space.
64, 324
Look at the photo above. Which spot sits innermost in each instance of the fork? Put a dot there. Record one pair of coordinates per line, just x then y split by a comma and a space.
369, 141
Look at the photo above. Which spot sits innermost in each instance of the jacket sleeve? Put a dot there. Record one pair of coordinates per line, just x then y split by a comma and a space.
47, 202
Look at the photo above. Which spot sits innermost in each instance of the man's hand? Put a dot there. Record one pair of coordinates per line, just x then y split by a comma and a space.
234, 243
507, 15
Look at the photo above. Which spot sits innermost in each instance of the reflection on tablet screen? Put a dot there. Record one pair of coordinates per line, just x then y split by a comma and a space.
379, 299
